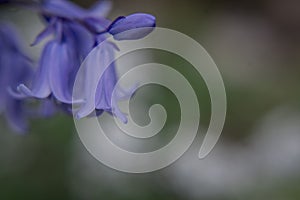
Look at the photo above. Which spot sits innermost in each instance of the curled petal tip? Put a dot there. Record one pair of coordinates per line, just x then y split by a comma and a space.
24, 90
15, 94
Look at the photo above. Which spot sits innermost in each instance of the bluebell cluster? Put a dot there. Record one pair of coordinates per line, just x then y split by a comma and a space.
74, 32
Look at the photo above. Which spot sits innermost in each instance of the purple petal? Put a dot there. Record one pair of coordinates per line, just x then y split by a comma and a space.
99, 60
40, 86
93, 68
61, 67
79, 38
45, 33
105, 98
22, 72
17, 94
132, 27
61, 8
107, 83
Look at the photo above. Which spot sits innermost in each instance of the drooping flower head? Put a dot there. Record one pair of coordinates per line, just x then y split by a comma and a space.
75, 32
15, 68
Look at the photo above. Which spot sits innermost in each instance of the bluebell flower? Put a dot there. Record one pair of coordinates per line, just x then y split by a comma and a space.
102, 98
76, 32
59, 63
15, 68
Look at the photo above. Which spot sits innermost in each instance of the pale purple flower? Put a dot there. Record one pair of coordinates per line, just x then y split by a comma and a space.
102, 98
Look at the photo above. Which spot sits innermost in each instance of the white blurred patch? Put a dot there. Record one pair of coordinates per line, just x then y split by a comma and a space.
270, 155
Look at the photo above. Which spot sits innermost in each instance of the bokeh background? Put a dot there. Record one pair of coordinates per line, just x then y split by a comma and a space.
256, 45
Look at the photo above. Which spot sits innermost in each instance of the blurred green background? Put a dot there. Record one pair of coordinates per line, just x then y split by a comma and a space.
255, 44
